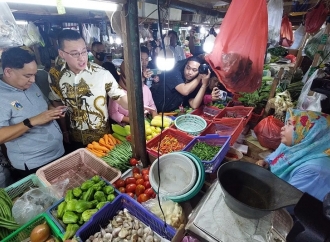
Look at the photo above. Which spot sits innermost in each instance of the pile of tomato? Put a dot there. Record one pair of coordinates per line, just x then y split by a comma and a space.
137, 186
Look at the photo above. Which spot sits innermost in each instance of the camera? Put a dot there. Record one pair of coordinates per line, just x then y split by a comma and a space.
203, 69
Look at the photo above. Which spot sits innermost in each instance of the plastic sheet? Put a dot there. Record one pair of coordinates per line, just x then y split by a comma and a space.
287, 37
275, 12
316, 17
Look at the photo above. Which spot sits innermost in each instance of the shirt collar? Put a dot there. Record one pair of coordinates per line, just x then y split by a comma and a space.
4, 84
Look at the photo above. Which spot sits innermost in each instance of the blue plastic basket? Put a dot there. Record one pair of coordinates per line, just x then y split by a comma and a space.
192, 124
216, 140
52, 211
106, 213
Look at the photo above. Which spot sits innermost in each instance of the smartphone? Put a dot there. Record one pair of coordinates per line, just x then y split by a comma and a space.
64, 110
154, 71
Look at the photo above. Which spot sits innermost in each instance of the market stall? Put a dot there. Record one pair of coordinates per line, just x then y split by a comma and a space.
158, 179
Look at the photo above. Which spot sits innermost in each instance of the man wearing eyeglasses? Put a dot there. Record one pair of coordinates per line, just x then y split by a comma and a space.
83, 87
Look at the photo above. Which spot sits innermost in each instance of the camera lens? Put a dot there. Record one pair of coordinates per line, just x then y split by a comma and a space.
203, 69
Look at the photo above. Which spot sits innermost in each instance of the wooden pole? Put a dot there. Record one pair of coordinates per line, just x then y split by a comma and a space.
131, 41
273, 90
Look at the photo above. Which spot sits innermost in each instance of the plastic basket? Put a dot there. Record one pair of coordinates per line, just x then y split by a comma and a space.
52, 213
191, 124
102, 217
255, 118
236, 112
207, 113
180, 136
18, 188
215, 140
232, 127
78, 166
23, 233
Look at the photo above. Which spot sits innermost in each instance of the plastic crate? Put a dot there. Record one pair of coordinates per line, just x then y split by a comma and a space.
215, 140
106, 213
232, 127
207, 113
236, 112
23, 233
52, 213
18, 188
78, 166
179, 135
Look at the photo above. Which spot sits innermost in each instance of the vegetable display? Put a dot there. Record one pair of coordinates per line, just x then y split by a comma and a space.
168, 144
81, 203
205, 151
137, 186
7, 222
125, 227
105, 144
218, 105
119, 157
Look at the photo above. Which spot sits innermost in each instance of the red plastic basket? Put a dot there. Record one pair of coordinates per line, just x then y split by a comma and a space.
179, 135
255, 118
232, 127
236, 112
207, 113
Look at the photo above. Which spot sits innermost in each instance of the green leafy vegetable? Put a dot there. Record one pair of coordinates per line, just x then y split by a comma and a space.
205, 151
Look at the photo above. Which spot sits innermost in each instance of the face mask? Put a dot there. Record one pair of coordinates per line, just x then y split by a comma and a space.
100, 56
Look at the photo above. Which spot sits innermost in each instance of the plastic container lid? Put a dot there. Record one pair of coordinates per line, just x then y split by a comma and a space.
177, 174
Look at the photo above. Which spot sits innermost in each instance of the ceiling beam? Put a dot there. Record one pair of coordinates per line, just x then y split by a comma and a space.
190, 8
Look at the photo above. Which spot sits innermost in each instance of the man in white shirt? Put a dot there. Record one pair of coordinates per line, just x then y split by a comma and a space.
177, 50
83, 87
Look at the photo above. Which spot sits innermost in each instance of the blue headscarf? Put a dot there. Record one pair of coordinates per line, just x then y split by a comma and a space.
311, 140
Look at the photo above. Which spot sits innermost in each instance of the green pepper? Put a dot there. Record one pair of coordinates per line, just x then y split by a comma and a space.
89, 194
98, 186
96, 179
86, 215
71, 205
94, 203
86, 185
108, 190
111, 197
99, 196
70, 217
81, 206
61, 209
70, 231
101, 204
77, 192
69, 195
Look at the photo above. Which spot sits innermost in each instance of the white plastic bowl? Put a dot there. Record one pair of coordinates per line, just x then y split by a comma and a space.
177, 174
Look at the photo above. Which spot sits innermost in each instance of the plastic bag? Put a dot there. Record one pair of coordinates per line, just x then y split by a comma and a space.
9, 32
286, 32
268, 132
37, 201
313, 43
173, 211
239, 49
313, 102
275, 12
298, 37
34, 34
316, 17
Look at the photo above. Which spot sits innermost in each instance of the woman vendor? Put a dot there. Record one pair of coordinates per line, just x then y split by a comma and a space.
303, 157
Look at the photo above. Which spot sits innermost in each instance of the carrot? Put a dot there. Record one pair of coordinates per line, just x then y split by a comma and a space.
117, 141
112, 140
98, 154
97, 146
103, 143
106, 139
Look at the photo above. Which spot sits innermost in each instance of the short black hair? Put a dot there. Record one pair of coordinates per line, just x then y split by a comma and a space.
144, 49
16, 57
96, 43
172, 32
68, 35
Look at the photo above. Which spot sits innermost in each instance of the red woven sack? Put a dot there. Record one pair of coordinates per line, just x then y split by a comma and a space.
316, 17
286, 32
268, 132
239, 49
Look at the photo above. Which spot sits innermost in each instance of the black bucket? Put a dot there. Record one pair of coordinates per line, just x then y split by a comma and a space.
252, 191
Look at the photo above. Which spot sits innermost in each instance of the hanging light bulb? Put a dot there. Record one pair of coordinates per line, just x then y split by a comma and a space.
165, 61
209, 44
118, 41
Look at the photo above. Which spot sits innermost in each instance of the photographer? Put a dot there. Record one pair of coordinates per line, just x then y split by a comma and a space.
180, 82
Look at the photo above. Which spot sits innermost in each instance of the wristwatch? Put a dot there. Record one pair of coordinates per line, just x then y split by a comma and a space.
27, 123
